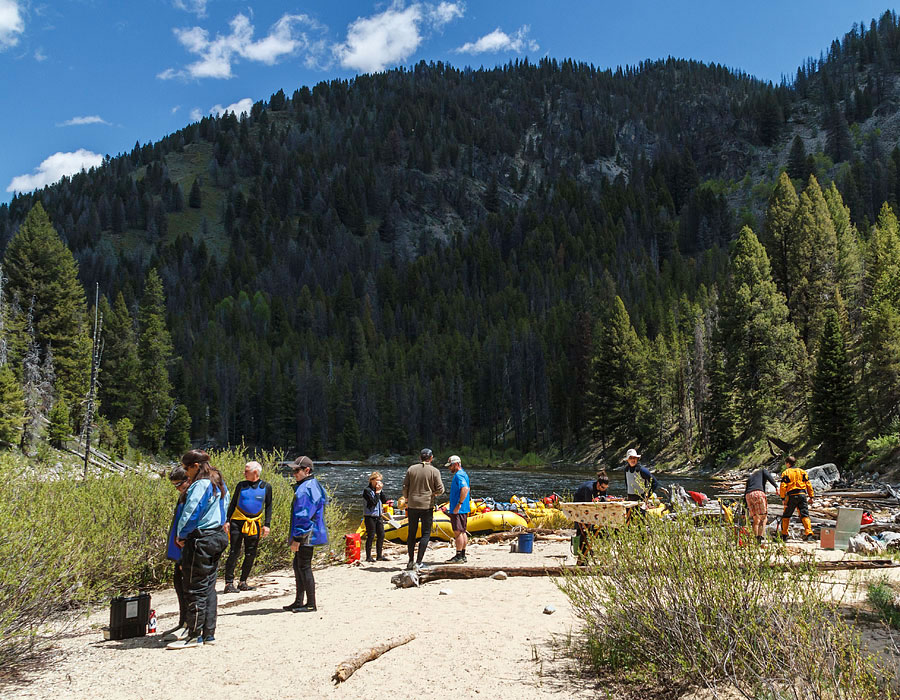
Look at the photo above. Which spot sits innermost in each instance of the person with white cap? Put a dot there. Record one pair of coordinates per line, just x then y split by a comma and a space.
638, 480
459, 508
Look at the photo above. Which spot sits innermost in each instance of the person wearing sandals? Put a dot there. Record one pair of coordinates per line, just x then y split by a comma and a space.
374, 498
179, 479
202, 538
307, 531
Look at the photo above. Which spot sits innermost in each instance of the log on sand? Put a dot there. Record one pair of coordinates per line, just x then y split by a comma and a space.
539, 532
436, 573
351, 666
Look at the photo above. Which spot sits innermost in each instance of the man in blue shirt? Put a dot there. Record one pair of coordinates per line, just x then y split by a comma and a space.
459, 508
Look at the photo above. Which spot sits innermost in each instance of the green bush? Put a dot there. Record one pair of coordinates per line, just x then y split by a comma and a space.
679, 606
882, 597
883, 442
67, 543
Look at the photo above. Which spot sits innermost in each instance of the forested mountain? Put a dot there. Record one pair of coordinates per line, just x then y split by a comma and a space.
535, 255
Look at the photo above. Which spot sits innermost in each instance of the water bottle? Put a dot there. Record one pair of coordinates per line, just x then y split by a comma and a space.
151, 625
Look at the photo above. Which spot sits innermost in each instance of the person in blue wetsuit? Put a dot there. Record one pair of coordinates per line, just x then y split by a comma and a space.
179, 479
201, 535
248, 520
307, 530
639, 482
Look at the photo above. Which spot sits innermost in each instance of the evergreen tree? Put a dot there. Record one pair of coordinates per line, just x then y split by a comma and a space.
43, 274
848, 265
812, 260
60, 428
123, 432
195, 197
178, 435
617, 398
154, 355
119, 362
833, 396
779, 224
12, 406
796, 163
755, 337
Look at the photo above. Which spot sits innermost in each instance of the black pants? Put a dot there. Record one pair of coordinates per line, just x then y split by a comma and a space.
178, 584
426, 517
633, 497
374, 529
251, 544
796, 501
303, 576
200, 562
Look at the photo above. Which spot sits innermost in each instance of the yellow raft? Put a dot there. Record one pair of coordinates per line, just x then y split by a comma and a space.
477, 525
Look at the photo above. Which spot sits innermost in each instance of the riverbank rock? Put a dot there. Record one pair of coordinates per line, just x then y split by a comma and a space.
865, 544
406, 579
823, 477
549, 610
499, 576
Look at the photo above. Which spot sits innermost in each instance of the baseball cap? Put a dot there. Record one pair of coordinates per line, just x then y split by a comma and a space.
454, 459
632, 453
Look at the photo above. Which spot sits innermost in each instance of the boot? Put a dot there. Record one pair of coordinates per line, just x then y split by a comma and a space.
784, 527
807, 529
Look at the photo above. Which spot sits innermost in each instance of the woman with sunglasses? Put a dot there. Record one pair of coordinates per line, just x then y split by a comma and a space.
178, 478
200, 534
307, 530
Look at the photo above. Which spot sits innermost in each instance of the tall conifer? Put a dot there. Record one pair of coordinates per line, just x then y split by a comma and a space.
119, 362
155, 355
40, 268
833, 396
778, 229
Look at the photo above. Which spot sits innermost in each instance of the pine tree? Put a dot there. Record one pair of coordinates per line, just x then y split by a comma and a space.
123, 432
40, 268
12, 406
195, 197
60, 428
617, 397
154, 388
779, 232
178, 435
796, 163
812, 260
755, 337
848, 266
119, 363
833, 396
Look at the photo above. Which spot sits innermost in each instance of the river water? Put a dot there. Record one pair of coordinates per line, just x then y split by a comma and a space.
348, 481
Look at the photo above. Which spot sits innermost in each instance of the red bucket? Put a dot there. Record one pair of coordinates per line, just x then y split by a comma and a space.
352, 547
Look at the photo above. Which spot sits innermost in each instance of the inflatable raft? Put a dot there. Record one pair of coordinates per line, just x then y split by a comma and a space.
478, 524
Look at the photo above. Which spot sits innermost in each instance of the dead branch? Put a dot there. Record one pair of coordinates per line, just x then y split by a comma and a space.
347, 668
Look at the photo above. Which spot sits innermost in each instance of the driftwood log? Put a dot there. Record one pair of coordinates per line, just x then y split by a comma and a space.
351, 666
503, 536
436, 573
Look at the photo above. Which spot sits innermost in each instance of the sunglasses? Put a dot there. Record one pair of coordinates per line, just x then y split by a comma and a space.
176, 484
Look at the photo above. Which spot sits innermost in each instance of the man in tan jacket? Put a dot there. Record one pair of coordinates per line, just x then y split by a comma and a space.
420, 487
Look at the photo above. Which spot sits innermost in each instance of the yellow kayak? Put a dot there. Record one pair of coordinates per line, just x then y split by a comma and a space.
478, 524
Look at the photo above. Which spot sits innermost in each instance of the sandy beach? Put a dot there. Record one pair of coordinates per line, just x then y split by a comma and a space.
486, 637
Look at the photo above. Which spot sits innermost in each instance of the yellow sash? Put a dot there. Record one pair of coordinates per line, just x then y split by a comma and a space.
251, 525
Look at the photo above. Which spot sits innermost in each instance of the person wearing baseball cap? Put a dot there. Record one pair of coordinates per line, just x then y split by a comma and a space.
421, 485
638, 480
459, 508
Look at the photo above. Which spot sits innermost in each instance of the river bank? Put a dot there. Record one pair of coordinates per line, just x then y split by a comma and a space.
482, 637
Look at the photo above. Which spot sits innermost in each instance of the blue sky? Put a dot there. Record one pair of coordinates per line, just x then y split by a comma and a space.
84, 78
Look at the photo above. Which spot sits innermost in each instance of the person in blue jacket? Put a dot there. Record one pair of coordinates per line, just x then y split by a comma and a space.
374, 498
178, 478
639, 481
307, 531
200, 534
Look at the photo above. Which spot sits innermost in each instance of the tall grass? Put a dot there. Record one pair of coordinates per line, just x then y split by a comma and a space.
678, 606
66, 543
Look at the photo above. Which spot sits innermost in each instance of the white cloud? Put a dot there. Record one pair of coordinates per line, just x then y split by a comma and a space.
373, 43
55, 167
198, 7
175, 108
11, 23
80, 121
40, 56
240, 107
446, 12
499, 40
217, 55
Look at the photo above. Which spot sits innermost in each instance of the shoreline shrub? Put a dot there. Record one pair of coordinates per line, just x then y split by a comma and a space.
666, 602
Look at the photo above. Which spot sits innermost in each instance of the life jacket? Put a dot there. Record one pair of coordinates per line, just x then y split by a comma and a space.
249, 507
794, 480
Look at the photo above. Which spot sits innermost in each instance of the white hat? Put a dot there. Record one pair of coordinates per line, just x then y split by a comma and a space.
454, 459
632, 453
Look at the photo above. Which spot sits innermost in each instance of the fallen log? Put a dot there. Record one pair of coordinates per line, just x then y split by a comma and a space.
347, 668
436, 573
855, 494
